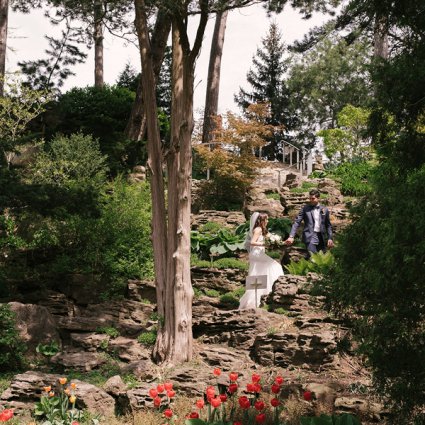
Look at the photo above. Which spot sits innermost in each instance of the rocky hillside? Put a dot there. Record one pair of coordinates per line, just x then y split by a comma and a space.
292, 334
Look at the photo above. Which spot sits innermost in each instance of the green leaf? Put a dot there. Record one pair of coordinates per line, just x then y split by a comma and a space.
195, 422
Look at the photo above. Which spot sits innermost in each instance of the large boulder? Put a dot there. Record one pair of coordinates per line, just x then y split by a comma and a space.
26, 388
35, 324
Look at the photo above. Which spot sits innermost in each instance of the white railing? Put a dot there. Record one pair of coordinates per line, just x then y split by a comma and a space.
303, 161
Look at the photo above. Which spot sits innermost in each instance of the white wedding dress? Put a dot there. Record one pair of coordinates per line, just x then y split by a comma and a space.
260, 264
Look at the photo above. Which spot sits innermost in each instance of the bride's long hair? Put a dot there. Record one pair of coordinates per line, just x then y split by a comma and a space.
261, 222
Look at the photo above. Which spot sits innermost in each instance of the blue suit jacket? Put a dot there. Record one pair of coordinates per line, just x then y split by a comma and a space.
306, 215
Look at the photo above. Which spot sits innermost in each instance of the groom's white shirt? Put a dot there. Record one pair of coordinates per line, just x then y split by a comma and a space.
316, 217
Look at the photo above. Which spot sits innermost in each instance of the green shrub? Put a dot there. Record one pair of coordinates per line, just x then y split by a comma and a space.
147, 338
196, 292
222, 193
305, 187
354, 177
213, 293
239, 292
273, 195
379, 277
11, 346
48, 350
103, 113
69, 173
281, 310
108, 330
210, 227
229, 299
230, 263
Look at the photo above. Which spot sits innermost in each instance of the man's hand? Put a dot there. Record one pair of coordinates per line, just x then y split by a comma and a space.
289, 241
331, 243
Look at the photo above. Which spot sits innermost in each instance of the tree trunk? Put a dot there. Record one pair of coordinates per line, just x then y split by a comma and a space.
380, 37
98, 44
213, 82
179, 163
136, 125
172, 244
159, 227
4, 8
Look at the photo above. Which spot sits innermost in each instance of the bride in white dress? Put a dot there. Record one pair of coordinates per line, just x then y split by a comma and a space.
259, 262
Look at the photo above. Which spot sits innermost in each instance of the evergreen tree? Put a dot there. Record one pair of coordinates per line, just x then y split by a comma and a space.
267, 81
128, 77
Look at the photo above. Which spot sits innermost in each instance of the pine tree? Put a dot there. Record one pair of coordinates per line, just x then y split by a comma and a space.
267, 81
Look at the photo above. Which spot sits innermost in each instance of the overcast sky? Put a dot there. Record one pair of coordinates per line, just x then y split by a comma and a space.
245, 29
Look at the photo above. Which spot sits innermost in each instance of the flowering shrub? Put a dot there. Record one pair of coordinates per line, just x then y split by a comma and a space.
59, 409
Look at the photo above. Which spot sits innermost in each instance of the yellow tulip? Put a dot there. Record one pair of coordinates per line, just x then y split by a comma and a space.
51, 393
47, 389
72, 399
73, 385
67, 391
63, 381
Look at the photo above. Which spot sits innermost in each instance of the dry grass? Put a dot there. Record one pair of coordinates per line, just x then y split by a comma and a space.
294, 409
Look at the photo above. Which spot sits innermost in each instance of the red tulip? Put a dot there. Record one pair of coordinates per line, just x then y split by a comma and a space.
278, 380
274, 402
233, 376
307, 395
244, 402
257, 388
237, 423
168, 413
217, 372
210, 392
171, 393
215, 402
223, 397
200, 403
250, 388
193, 415
275, 389
256, 378
75, 423
168, 386
153, 392
160, 388
6, 414
260, 418
259, 405
232, 388
157, 401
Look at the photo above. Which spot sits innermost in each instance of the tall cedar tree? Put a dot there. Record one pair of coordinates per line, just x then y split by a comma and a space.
267, 81
171, 222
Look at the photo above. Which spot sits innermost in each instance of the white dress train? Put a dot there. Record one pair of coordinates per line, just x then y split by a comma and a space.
260, 264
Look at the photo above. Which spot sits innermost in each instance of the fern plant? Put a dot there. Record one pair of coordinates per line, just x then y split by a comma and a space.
319, 263
322, 262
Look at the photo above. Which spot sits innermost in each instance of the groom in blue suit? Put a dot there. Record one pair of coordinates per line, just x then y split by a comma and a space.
317, 225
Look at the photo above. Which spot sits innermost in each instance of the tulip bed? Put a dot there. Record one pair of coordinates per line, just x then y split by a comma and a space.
221, 404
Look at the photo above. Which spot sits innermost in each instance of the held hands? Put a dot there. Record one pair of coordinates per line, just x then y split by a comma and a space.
289, 241
331, 243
